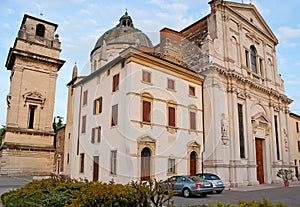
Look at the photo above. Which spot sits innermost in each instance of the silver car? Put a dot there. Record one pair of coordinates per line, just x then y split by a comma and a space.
188, 185
215, 180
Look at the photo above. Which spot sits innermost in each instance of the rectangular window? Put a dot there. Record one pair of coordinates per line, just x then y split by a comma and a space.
83, 124
247, 58
31, 116
85, 98
297, 127
299, 146
192, 120
171, 84
96, 135
277, 138
98, 106
68, 158
69, 135
171, 165
113, 162
241, 131
116, 80
114, 115
81, 166
146, 111
146, 76
192, 91
171, 116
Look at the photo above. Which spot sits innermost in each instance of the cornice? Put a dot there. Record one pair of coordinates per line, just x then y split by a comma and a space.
250, 83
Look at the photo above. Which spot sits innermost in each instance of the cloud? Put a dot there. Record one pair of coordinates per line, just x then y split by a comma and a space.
289, 32
292, 82
170, 5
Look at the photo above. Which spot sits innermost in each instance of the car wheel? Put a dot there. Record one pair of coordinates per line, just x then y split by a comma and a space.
219, 191
186, 192
203, 195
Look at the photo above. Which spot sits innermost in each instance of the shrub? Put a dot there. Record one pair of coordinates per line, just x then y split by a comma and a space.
62, 191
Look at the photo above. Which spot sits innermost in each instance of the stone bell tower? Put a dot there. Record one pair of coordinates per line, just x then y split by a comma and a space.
34, 61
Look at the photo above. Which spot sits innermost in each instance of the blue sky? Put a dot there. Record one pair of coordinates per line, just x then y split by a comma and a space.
82, 22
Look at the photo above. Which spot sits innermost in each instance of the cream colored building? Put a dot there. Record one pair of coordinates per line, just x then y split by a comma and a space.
245, 109
27, 146
137, 116
295, 141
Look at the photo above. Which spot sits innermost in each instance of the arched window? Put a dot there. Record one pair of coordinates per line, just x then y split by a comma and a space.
253, 59
40, 30
145, 164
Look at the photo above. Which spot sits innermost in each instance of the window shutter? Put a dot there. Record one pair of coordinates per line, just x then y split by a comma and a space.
192, 120
100, 105
171, 116
146, 111
99, 135
93, 135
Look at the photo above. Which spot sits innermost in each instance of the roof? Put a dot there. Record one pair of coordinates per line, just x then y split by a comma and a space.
124, 33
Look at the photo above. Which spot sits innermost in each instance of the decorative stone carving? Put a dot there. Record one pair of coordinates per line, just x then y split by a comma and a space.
34, 97
8, 100
224, 129
286, 144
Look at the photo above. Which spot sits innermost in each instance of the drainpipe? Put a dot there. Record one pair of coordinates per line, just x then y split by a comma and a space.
202, 153
79, 121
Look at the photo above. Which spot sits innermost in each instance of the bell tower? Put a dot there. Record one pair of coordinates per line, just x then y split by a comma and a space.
34, 60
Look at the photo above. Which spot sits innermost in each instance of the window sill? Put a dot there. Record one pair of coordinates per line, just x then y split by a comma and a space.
142, 123
148, 83
172, 129
191, 96
171, 174
170, 89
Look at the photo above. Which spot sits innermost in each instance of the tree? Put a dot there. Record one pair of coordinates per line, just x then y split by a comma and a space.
59, 124
2, 131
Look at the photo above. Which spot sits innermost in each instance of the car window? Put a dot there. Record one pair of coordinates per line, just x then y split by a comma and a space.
172, 179
213, 177
196, 178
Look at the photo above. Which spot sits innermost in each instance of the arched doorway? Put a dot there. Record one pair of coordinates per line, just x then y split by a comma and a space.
193, 163
145, 164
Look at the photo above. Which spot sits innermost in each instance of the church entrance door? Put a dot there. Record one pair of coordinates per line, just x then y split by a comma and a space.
259, 160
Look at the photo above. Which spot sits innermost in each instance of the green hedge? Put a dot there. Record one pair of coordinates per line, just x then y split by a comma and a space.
62, 191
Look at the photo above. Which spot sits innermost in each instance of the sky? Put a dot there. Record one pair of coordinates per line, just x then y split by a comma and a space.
82, 22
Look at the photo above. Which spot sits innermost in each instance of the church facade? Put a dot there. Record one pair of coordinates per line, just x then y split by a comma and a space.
246, 114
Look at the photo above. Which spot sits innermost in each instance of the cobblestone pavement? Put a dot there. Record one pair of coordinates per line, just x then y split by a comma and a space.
274, 192
9, 183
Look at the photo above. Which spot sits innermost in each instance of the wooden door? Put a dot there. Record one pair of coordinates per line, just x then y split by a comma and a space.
259, 160
193, 163
145, 164
96, 169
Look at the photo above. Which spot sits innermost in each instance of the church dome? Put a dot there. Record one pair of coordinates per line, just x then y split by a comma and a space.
124, 33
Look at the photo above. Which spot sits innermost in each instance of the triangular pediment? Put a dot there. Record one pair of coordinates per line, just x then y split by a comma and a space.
249, 13
193, 144
261, 118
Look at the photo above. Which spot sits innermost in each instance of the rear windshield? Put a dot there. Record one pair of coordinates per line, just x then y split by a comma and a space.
196, 178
